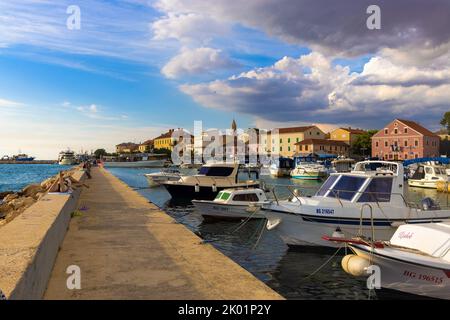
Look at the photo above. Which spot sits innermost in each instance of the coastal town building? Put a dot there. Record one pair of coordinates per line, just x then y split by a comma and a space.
164, 141
322, 147
173, 137
347, 135
404, 139
444, 135
146, 146
284, 143
127, 147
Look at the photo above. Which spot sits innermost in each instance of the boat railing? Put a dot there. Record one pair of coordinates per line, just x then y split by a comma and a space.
376, 197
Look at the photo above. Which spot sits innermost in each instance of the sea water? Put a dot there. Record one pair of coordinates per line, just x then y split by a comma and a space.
14, 177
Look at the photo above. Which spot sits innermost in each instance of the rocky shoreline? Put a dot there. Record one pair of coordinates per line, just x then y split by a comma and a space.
12, 204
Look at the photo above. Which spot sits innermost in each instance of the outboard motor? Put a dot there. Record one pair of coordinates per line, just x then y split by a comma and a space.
430, 204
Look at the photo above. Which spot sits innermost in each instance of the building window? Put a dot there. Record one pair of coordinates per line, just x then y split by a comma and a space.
386, 144
297, 139
301, 148
406, 143
306, 147
416, 143
273, 149
376, 144
406, 156
281, 140
385, 131
395, 131
281, 148
289, 140
318, 133
406, 130
289, 148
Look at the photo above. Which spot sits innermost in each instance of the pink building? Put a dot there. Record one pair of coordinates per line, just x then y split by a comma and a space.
403, 139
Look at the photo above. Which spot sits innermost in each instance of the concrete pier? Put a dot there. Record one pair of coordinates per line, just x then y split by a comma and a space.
127, 248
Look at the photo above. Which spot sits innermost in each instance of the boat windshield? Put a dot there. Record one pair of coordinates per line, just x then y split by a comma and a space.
344, 188
378, 190
222, 195
216, 171
327, 185
440, 170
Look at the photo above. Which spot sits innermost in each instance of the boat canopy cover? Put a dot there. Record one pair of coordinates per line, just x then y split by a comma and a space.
443, 160
430, 238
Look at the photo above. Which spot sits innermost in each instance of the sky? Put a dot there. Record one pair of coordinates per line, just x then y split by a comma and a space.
137, 68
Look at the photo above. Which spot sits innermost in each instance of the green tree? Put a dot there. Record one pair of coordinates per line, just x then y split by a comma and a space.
446, 121
100, 153
363, 143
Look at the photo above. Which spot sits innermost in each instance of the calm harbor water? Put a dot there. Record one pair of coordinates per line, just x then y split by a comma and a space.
285, 270
13, 177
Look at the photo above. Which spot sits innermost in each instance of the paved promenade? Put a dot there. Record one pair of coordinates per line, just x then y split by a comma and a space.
127, 248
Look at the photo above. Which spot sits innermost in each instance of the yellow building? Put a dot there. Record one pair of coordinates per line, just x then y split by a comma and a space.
282, 141
165, 141
146, 146
347, 135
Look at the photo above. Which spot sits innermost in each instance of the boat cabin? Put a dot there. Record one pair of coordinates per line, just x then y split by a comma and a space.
371, 181
429, 172
240, 196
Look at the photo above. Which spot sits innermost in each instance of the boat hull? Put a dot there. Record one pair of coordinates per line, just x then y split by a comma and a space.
408, 277
188, 192
136, 164
422, 184
210, 209
67, 162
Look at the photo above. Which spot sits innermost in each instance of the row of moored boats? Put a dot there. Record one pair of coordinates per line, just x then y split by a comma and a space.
364, 209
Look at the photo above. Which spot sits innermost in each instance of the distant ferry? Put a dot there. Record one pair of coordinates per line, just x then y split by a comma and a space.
22, 157
67, 158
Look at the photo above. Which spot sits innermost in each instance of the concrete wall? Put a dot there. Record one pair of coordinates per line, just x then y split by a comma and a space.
29, 244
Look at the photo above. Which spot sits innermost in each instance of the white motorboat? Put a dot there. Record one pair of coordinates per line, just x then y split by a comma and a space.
211, 178
234, 204
67, 158
348, 204
137, 161
309, 171
282, 167
427, 176
343, 164
415, 261
169, 174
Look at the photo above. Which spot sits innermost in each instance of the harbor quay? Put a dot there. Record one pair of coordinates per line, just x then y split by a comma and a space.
119, 245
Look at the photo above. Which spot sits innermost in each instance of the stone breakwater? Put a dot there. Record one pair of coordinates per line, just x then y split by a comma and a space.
13, 204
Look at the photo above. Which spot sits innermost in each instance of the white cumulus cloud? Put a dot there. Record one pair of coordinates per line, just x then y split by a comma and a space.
197, 61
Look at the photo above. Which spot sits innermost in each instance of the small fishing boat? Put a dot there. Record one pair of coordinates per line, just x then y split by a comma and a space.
210, 180
282, 167
415, 261
350, 203
168, 174
343, 164
309, 171
233, 204
427, 176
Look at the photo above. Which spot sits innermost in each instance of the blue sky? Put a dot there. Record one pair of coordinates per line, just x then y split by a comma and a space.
137, 68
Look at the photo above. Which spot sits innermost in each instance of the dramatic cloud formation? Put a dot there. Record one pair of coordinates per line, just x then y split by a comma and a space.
312, 89
330, 27
197, 61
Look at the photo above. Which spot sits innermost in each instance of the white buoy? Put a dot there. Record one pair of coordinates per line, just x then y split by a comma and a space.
355, 265
197, 188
